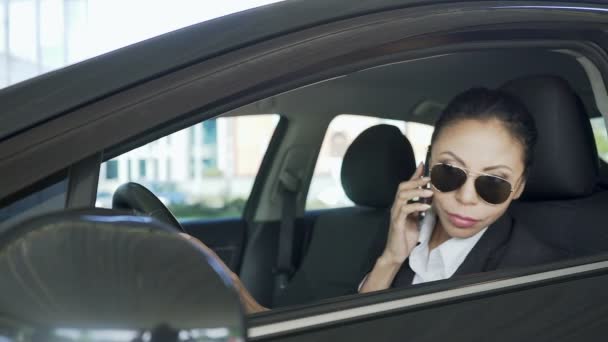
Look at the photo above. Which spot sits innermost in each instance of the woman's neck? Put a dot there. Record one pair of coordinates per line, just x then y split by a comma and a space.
438, 237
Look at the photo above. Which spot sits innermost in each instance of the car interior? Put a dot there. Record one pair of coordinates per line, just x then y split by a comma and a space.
290, 255
287, 255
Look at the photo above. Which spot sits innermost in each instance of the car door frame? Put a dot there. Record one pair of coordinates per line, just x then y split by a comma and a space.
165, 104
145, 112
395, 313
265, 186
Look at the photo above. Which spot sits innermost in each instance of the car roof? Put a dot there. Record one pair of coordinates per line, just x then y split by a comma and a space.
44, 97
417, 90
47, 96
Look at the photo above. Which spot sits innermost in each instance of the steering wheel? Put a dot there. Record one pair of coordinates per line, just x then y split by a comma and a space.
135, 197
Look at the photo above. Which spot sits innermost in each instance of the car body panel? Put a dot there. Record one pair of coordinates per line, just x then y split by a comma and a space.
69, 121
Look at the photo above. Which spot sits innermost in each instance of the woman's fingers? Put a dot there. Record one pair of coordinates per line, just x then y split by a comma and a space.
409, 190
407, 195
418, 172
410, 208
411, 185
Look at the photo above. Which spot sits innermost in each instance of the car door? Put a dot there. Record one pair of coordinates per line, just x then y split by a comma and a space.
543, 304
118, 117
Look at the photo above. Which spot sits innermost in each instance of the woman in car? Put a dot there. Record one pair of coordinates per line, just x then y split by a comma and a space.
480, 153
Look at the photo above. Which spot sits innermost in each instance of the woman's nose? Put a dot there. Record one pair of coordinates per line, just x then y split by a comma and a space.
467, 193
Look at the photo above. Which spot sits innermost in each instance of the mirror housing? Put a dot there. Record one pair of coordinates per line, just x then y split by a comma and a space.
101, 275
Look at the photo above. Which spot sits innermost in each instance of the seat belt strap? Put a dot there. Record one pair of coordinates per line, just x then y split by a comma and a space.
289, 187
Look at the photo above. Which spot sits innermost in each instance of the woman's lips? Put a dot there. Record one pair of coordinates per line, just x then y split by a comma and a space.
461, 221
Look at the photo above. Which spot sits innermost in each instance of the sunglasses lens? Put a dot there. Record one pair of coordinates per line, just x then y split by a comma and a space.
492, 189
446, 178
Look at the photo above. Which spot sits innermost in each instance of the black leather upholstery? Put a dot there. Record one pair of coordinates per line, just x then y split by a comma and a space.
561, 202
103, 269
374, 164
133, 196
346, 242
565, 161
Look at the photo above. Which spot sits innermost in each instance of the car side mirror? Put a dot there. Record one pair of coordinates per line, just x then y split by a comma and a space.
100, 275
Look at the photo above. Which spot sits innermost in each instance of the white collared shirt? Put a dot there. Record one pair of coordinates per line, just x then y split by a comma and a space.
443, 261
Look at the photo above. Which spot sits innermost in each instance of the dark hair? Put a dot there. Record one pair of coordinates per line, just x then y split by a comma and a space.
486, 104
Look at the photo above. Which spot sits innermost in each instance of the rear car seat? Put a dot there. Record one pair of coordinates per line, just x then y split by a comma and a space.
562, 202
346, 242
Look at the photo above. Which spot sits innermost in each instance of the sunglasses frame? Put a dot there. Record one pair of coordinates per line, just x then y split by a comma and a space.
474, 175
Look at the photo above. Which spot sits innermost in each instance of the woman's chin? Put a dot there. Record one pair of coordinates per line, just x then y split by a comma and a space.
462, 232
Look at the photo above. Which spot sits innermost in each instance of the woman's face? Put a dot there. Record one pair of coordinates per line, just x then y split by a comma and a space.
479, 146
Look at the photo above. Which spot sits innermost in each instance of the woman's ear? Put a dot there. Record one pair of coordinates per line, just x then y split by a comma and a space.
520, 189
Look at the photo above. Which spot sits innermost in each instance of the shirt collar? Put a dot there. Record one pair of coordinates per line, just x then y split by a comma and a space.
455, 250
452, 252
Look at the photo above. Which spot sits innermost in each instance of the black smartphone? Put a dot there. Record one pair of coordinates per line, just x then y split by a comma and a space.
426, 173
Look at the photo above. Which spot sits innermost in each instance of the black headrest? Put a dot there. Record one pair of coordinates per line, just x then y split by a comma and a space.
374, 164
77, 272
565, 162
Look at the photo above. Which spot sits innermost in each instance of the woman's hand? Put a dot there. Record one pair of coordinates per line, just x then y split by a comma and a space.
403, 232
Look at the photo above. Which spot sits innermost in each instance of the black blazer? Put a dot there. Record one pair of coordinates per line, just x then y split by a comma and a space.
505, 244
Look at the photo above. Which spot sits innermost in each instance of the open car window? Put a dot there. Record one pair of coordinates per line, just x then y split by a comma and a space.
326, 190
201, 172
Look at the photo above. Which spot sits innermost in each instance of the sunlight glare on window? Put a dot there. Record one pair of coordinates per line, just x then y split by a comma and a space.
44, 35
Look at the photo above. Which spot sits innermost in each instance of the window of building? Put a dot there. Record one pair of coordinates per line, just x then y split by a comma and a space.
209, 130
112, 169
326, 187
142, 168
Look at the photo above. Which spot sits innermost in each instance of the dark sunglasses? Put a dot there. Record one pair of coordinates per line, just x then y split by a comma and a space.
492, 189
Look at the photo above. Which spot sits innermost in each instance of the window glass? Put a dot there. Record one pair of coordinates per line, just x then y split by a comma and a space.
37, 36
204, 171
326, 188
601, 138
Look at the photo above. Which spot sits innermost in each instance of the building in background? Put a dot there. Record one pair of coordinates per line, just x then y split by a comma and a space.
211, 162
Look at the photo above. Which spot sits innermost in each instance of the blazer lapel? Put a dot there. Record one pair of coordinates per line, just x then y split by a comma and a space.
483, 256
